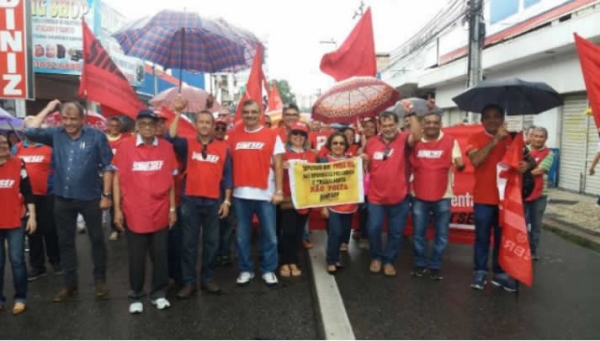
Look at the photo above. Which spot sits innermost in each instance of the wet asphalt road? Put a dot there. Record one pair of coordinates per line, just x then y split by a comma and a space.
251, 312
563, 304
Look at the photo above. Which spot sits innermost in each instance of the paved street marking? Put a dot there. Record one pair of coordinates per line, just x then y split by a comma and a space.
334, 318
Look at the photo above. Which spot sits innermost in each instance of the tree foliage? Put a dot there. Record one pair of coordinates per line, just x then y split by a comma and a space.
285, 91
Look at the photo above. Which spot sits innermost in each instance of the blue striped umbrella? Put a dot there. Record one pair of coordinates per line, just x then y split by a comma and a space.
187, 41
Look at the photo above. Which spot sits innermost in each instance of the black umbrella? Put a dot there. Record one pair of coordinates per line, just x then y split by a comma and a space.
516, 96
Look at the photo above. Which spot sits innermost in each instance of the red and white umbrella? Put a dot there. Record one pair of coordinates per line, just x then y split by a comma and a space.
197, 98
91, 118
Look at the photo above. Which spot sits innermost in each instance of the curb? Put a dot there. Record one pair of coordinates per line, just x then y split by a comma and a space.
573, 233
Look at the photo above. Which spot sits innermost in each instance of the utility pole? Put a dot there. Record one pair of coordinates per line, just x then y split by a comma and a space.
476, 42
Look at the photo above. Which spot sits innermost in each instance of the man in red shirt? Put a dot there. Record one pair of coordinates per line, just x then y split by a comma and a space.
431, 162
485, 150
144, 194
388, 189
114, 136
208, 168
257, 154
38, 158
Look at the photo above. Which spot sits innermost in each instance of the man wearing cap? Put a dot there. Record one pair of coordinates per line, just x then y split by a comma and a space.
144, 195
224, 257
208, 169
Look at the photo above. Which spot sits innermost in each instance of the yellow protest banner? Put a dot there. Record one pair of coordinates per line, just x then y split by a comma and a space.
326, 184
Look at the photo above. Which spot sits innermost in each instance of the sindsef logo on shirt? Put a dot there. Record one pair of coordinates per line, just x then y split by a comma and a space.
32, 158
209, 158
430, 154
147, 166
381, 155
6, 183
249, 145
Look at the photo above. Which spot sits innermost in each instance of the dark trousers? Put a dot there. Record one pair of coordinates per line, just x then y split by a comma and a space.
292, 224
175, 241
363, 215
226, 226
196, 217
65, 215
142, 245
44, 242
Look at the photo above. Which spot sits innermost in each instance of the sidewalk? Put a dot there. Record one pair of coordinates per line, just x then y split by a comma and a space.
574, 215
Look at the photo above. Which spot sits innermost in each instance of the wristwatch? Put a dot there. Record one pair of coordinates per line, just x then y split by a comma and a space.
172, 210
279, 192
107, 195
227, 202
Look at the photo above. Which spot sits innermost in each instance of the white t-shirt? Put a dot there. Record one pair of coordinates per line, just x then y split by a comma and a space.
253, 193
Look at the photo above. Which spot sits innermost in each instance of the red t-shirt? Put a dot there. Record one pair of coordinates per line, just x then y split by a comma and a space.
204, 175
37, 161
251, 154
318, 139
10, 194
146, 177
485, 190
114, 142
388, 174
307, 157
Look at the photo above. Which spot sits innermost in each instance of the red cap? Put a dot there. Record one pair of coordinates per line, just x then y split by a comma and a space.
299, 126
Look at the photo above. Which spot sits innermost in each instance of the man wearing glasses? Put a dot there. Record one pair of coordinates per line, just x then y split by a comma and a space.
208, 169
387, 159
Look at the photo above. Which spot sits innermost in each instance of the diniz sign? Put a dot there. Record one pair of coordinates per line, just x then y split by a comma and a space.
16, 67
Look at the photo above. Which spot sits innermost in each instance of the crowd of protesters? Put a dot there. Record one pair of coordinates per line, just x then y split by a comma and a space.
166, 193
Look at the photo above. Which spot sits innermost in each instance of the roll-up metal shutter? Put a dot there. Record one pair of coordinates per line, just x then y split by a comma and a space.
592, 183
574, 139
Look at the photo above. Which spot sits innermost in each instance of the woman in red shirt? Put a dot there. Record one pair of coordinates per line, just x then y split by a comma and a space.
292, 220
339, 217
369, 129
14, 186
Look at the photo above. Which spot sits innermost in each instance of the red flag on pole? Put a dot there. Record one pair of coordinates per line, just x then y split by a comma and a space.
103, 82
254, 87
275, 102
356, 56
515, 254
589, 57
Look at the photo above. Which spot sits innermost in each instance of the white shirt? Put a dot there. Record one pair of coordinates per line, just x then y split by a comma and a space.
253, 193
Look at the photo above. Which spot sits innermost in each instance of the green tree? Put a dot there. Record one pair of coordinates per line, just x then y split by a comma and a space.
285, 91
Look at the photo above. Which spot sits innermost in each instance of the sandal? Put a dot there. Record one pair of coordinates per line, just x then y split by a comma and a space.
285, 271
332, 269
295, 271
19, 308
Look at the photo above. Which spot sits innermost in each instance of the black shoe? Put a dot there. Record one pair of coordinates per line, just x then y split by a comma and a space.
436, 275
535, 257
226, 261
418, 271
186, 291
211, 287
33, 275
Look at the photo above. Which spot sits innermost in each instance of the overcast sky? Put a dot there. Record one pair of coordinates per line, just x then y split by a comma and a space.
293, 29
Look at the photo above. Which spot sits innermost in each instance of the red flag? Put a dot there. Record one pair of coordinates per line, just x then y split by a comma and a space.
356, 57
255, 84
275, 102
185, 128
589, 57
515, 254
103, 82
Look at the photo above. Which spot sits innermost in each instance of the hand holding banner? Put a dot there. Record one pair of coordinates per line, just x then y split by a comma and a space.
326, 184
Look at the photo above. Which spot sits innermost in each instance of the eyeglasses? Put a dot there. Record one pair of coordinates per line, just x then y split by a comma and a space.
298, 133
338, 143
221, 128
204, 151
254, 112
386, 153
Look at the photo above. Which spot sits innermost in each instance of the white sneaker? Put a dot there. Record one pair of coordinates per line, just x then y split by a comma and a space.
245, 277
269, 278
136, 308
161, 303
114, 236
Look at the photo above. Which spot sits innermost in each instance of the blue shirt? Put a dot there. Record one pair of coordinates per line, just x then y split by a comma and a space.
78, 162
180, 145
26, 144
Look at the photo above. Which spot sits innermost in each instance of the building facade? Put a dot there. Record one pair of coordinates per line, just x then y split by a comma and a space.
529, 39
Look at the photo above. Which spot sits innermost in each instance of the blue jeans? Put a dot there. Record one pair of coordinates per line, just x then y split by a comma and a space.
195, 217
225, 232
338, 228
486, 219
439, 211
534, 213
397, 215
15, 238
265, 210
